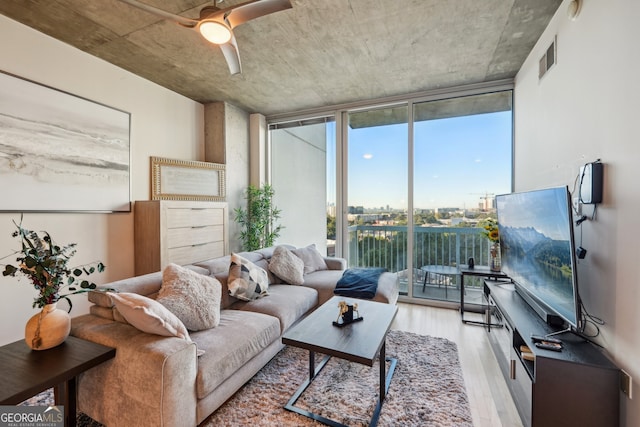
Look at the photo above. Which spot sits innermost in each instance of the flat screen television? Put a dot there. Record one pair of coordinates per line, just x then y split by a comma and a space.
538, 253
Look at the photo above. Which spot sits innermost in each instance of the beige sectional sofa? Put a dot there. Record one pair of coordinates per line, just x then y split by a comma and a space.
161, 381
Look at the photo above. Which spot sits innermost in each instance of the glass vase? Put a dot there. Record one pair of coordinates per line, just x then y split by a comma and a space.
494, 257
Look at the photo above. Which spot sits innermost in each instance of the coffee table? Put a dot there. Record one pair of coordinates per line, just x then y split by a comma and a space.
359, 342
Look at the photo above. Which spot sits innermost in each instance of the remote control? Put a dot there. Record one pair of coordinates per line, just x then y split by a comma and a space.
549, 346
538, 338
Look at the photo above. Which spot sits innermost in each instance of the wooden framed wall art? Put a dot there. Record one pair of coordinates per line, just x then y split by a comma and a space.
187, 180
61, 152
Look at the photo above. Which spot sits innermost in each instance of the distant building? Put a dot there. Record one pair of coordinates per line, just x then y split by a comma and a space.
356, 210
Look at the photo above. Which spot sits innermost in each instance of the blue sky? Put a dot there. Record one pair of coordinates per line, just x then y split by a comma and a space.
457, 161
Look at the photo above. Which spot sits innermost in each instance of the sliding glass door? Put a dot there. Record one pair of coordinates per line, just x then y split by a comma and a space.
461, 160
377, 188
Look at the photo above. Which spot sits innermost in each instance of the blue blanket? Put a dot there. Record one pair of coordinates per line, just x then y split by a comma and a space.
359, 282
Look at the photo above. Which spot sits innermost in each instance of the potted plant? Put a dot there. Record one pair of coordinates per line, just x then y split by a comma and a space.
46, 265
258, 219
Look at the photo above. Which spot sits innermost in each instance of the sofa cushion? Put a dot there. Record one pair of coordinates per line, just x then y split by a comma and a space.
287, 303
313, 260
323, 281
147, 285
246, 280
194, 298
148, 315
239, 337
287, 266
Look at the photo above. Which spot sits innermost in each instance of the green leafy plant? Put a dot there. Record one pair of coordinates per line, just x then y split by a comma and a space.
258, 219
47, 266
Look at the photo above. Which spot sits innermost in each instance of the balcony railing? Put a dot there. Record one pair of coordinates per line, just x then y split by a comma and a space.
386, 246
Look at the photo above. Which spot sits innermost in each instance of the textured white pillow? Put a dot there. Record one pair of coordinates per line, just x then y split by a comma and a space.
246, 280
193, 297
313, 260
287, 266
148, 315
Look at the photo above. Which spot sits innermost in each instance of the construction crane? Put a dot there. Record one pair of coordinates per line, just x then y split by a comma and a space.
486, 203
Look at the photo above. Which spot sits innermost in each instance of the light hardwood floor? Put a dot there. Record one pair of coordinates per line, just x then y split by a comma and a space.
489, 399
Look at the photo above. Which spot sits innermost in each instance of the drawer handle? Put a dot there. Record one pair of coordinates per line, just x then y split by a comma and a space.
512, 369
198, 226
198, 244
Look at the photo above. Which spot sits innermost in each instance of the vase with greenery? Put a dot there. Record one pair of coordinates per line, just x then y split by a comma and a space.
46, 265
491, 232
258, 220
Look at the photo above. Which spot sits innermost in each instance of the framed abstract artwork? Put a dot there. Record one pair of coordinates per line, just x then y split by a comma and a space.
61, 152
187, 180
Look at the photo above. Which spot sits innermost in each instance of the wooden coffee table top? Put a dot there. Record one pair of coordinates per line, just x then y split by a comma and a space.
357, 342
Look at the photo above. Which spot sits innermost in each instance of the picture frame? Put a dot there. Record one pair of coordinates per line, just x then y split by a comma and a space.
187, 180
60, 152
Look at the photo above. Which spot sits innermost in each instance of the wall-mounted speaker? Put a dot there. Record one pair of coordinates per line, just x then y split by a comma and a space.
591, 183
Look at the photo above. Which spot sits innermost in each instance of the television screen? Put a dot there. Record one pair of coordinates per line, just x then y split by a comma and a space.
537, 249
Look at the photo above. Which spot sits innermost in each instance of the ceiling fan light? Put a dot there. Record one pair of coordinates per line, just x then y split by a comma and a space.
214, 31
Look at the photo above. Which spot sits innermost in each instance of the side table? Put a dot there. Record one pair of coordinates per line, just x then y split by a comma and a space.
478, 271
438, 271
27, 372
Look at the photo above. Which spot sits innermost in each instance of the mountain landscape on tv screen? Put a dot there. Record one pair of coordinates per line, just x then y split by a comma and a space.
527, 242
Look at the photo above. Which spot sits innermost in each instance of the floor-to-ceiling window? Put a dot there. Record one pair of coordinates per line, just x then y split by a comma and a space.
377, 187
462, 150
404, 185
302, 174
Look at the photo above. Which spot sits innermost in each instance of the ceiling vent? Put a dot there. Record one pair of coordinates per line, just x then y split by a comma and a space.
548, 60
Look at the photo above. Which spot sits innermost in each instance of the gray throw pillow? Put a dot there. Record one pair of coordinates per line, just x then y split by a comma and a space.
287, 266
246, 280
312, 258
193, 297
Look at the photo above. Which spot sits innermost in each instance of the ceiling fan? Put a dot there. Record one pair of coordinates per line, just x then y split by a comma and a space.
216, 25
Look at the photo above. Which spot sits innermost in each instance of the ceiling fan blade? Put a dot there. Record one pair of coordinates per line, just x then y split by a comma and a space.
187, 22
232, 55
255, 9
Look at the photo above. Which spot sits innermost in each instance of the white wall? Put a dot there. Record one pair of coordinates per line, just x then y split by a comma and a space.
586, 108
163, 123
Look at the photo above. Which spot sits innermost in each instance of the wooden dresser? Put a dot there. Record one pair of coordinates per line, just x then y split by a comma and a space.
179, 232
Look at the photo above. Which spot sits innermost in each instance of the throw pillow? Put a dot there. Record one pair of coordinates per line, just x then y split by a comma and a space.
287, 266
246, 280
312, 258
148, 315
193, 297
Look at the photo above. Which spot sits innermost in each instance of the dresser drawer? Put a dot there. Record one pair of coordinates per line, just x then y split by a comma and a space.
190, 254
178, 231
179, 237
190, 217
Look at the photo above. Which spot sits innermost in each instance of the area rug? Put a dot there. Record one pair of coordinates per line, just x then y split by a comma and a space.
427, 389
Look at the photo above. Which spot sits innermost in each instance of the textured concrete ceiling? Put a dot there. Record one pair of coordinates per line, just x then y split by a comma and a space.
319, 53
